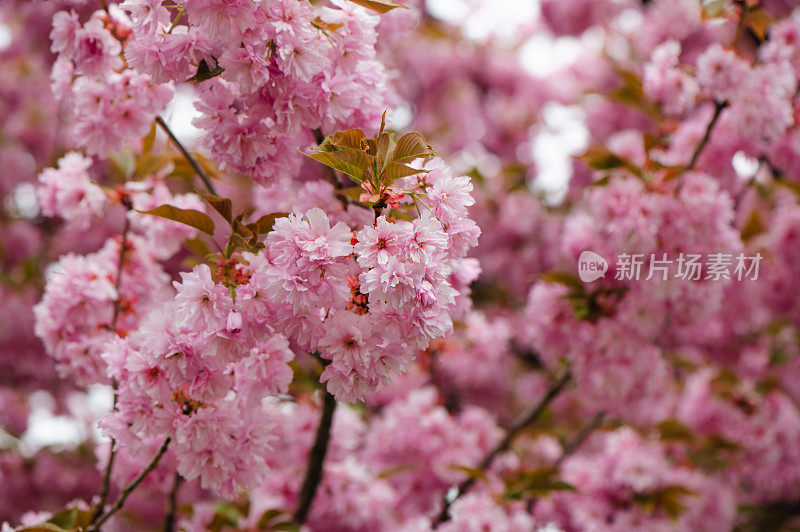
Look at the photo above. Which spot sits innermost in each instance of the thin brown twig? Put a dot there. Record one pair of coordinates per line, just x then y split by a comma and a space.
718, 108
106, 486
127, 490
572, 446
172, 504
522, 422
580, 438
188, 156
316, 458
118, 281
740, 23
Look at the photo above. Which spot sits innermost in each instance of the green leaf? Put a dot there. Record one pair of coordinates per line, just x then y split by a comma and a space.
198, 220
350, 138
207, 165
288, 526
44, 527
395, 170
380, 6
411, 146
758, 20
631, 92
471, 471
241, 229
352, 162
668, 499
753, 226
149, 164
354, 193
198, 246
71, 519
226, 516
325, 27
674, 430
383, 116
537, 482
598, 157
267, 517
204, 72
224, 206
714, 8
237, 241
183, 169
149, 140
369, 146
794, 187
382, 149
123, 163
562, 277
264, 224
398, 470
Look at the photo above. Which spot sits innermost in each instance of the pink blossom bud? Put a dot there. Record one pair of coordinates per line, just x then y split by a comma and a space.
234, 323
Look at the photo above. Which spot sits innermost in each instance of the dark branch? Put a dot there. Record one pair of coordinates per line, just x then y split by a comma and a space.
316, 458
580, 438
189, 157
106, 487
718, 107
120, 264
104, 491
127, 490
172, 504
522, 422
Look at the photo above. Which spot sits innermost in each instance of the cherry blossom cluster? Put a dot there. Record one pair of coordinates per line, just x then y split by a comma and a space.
295, 325
280, 69
111, 104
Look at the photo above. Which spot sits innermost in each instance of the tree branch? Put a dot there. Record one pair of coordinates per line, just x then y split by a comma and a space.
522, 422
189, 157
127, 490
718, 107
316, 458
172, 504
580, 438
106, 487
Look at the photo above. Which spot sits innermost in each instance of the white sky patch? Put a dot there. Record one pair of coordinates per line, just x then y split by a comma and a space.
5, 36
484, 19
180, 113
45, 428
563, 136
628, 21
542, 55
453, 11
744, 165
400, 118
23, 200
